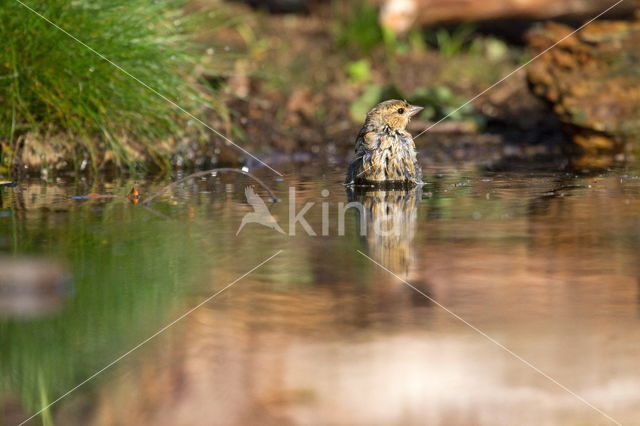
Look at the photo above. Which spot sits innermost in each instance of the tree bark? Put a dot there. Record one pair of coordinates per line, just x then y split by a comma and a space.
400, 15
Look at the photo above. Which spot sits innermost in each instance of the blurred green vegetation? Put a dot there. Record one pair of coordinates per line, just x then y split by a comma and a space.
356, 25
357, 28
129, 269
438, 102
452, 42
52, 86
359, 71
452, 57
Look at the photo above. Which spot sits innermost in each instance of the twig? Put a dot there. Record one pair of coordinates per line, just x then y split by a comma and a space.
208, 172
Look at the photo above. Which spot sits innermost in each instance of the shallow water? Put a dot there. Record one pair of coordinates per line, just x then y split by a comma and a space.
525, 299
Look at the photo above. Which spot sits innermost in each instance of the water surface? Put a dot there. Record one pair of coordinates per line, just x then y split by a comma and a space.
543, 262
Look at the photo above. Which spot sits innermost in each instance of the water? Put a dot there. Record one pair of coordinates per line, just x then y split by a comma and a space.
543, 263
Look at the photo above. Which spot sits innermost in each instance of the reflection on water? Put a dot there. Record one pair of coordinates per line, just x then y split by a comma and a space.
390, 218
545, 263
32, 287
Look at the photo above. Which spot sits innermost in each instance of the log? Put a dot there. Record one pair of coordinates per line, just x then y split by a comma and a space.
400, 15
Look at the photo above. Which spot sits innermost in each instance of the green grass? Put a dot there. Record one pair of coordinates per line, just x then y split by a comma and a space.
454, 42
356, 26
53, 88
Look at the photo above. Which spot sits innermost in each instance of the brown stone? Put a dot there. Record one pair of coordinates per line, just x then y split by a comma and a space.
591, 80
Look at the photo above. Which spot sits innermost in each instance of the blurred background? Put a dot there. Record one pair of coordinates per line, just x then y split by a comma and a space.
526, 226
293, 79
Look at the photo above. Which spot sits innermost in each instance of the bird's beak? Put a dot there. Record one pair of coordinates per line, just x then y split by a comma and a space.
414, 110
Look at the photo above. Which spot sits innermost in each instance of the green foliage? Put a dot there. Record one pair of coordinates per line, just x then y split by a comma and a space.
371, 95
52, 85
358, 27
451, 43
416, 41
495, 49
359, 71
438, 102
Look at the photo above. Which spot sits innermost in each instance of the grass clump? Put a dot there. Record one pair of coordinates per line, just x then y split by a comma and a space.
357, 26
60, 99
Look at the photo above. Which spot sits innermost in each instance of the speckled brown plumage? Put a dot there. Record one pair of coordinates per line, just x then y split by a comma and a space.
385, 152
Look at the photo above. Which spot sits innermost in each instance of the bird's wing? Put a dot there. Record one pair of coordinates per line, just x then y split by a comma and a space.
352, 171
256, 202
371, 140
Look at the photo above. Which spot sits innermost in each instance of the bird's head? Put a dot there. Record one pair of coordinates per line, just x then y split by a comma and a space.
393, 113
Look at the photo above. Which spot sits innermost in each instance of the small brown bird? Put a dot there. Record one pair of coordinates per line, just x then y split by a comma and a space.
385, 152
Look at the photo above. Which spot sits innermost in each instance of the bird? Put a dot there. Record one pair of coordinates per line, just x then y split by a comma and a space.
385, 154
260, 214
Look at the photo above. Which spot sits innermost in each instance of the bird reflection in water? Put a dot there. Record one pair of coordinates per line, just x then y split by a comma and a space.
390, 217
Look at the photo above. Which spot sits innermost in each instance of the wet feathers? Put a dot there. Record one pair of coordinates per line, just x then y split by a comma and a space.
385, 153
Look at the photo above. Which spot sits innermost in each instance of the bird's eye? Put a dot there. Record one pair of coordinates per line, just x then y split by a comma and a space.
401, 111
